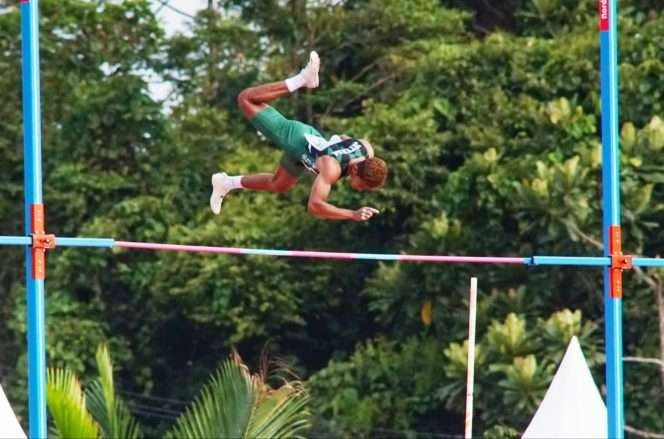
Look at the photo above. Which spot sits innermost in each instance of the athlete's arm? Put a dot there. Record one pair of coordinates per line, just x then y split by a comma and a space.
329, 172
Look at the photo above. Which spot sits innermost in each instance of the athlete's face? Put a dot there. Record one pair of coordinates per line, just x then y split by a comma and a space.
355, 181
358, 184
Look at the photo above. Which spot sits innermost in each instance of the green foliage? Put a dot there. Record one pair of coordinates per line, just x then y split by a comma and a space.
224, 408
488, 118
553, 18
521, 363
501, 432
67, 407
233, 404
104, 415
237, 404
383, 384
407, 385
111, 413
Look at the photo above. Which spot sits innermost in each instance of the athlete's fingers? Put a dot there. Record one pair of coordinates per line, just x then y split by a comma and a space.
365, 213
368, 212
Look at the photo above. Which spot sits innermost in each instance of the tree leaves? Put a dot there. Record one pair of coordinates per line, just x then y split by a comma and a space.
237, 404
111, 413
493, 147
67, 406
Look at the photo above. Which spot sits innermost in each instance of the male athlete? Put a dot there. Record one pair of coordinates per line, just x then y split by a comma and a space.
304, 148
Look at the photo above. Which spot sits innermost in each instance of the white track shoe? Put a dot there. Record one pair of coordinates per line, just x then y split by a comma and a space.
310, 72
220, 187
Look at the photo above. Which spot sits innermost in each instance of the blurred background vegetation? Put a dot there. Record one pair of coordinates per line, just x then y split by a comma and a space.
487, 112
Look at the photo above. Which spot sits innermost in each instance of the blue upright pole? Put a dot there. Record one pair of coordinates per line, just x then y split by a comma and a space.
33, 197
611, 215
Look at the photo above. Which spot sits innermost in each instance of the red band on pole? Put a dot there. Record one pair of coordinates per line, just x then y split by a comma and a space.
615, 249
37, 218
40, 241
615, 237
38, 254
604, 15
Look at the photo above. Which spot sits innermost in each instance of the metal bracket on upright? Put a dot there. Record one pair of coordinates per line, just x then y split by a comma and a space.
40, 242
619, 262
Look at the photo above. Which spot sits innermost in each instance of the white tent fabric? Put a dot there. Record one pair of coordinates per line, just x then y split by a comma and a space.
572, 406
9, 426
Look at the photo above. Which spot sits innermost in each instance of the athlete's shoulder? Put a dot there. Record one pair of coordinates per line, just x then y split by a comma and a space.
368, 147
328, 167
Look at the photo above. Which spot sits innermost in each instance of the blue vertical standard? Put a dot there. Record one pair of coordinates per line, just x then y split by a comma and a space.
611, 214
33, 217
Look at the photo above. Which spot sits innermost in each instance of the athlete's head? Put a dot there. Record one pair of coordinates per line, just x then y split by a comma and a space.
369, 174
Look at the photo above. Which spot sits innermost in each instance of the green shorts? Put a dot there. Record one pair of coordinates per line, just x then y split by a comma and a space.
288, 135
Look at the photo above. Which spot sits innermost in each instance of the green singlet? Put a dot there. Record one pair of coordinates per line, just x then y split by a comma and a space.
299, 155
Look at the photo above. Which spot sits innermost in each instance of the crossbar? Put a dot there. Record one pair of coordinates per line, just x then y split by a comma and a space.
583, 261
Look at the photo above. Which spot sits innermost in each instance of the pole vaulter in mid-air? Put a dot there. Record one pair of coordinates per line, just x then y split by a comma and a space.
304, 148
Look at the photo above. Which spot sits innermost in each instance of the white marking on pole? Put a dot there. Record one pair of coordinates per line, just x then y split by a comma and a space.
471, 358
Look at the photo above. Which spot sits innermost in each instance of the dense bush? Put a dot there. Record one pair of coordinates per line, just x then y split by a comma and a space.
489, 126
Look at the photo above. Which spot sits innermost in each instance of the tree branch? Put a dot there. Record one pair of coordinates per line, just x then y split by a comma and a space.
585, 237
644, 434
656, 361
365, 92
644, 277
357, 76
659, 299
654, 282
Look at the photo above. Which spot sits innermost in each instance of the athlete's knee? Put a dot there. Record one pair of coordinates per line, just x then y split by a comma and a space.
280, 187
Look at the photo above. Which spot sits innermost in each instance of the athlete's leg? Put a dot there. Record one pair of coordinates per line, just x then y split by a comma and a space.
279, 182
254, 99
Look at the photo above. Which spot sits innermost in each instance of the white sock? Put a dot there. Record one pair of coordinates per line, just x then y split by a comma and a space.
235, 182
294, 82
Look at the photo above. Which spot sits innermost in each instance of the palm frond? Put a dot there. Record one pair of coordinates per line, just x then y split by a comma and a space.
280, 413
223, 408
66, 404
108, 410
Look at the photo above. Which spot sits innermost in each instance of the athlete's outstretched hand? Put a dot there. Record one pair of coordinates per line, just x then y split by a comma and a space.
364, 213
